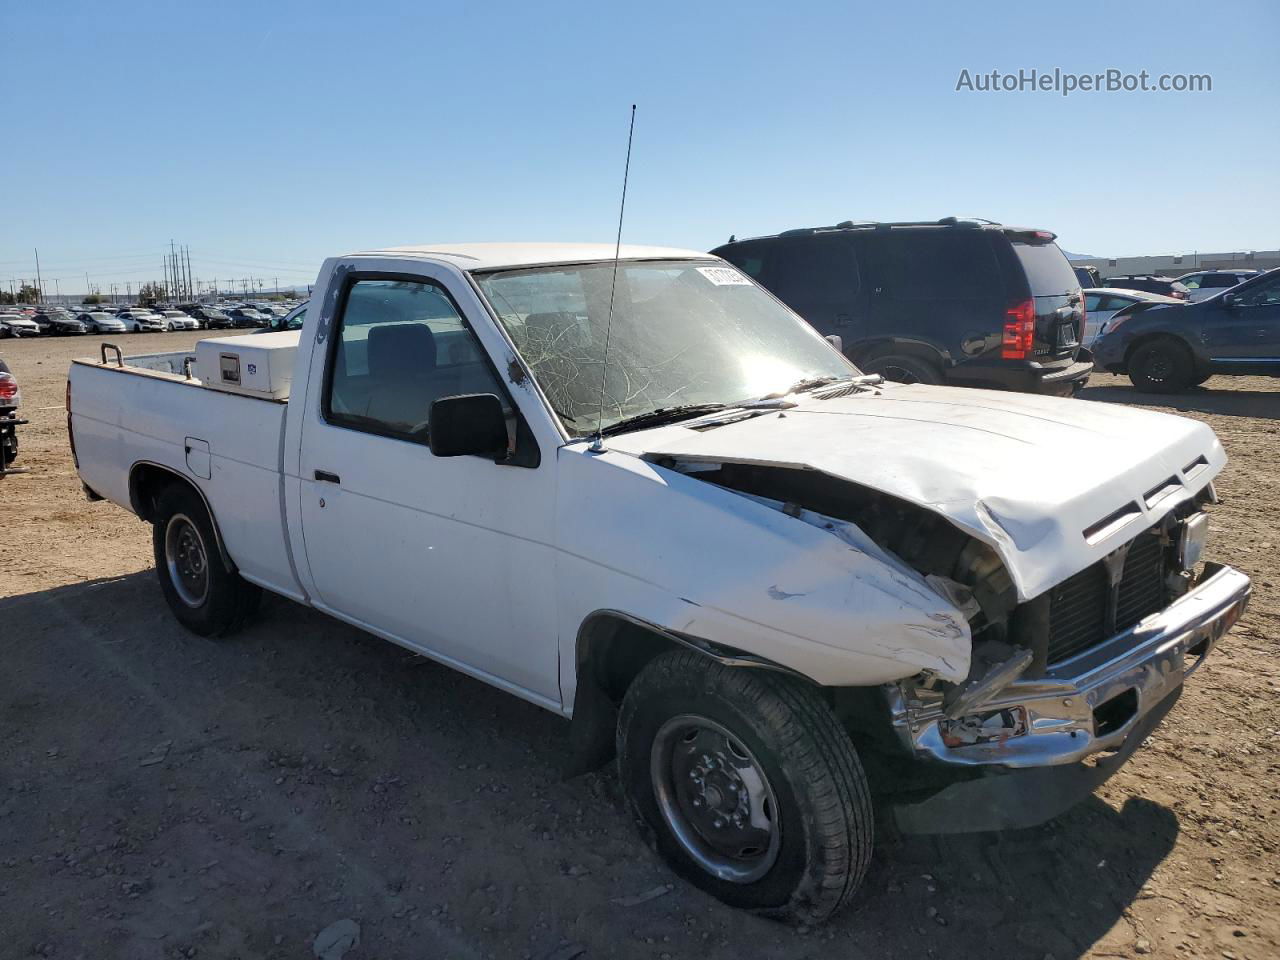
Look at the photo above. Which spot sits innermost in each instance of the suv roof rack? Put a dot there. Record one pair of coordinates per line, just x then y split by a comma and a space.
968, 222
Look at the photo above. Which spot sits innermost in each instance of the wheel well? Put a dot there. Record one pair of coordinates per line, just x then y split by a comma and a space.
613, 649
898, 348
149, 481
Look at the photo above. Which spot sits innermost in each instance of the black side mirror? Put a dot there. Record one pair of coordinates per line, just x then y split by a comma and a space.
471, 424
1231, 300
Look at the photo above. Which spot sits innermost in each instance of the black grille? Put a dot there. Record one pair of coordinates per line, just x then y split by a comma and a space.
1079, 607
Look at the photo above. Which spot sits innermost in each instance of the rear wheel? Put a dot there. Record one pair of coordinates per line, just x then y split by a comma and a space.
203, 594
903, 369
746, 784
1161, 366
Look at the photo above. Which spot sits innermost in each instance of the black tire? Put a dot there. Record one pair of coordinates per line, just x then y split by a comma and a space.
777, 725
1162, 366
213, 601
903, 369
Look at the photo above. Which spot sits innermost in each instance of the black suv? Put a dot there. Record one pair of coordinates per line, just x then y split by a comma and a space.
964, 302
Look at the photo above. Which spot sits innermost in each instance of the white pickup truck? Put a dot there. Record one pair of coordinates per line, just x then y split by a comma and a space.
647, 496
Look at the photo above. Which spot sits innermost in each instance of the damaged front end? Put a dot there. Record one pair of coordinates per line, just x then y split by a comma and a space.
1087, 668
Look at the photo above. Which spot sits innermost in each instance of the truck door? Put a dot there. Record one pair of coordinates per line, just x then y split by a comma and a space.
449, 556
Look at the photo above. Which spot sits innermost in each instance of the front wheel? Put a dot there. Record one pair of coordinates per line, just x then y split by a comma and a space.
203, 594
746, 784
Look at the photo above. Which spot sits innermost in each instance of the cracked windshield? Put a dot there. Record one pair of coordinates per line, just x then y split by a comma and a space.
684, 333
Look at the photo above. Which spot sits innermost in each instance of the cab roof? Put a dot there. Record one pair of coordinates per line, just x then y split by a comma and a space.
493, 256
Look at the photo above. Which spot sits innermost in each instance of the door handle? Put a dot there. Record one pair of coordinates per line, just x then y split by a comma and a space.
326, 477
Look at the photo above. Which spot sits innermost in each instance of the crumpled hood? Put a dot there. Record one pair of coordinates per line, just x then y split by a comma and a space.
1027, 474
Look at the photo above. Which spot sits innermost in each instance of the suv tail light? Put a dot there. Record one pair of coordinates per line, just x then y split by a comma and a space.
1019, 331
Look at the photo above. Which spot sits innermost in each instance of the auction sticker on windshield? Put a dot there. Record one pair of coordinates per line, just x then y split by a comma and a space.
724, 276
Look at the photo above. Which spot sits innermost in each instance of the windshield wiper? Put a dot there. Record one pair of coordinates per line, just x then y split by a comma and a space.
812, 383
808, 383
663, 415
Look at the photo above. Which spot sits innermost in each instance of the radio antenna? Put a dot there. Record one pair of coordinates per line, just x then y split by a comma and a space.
597, 443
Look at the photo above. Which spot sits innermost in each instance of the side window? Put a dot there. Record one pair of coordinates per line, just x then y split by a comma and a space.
1220, 281
1115, 303
1265, 294
941, 265
1092, 301
817, 277
749, 259
400, 346
1195, 281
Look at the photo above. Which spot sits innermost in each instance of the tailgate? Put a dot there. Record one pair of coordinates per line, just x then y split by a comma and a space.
1059, 304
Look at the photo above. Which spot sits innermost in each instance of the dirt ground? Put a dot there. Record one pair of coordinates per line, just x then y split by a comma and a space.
167, 796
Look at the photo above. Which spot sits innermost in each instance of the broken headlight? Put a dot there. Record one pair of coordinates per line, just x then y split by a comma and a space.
1191, 540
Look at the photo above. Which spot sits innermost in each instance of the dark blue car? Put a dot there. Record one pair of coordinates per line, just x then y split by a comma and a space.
1165, 348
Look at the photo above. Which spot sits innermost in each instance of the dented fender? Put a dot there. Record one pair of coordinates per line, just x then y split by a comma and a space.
811, 594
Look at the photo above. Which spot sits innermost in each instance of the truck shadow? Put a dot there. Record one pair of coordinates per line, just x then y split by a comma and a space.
1226, 402
318, 767
1055, 890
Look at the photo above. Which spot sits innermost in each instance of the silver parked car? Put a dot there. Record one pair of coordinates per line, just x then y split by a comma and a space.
100, 322
1103, 303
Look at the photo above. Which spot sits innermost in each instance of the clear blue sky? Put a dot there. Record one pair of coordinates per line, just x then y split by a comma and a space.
268, 135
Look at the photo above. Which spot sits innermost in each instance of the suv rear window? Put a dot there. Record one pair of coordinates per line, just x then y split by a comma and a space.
1048, 270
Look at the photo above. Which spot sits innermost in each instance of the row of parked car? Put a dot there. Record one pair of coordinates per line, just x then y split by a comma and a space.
59, 321
1195, 287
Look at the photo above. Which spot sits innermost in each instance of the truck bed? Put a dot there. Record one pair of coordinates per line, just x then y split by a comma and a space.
144, 410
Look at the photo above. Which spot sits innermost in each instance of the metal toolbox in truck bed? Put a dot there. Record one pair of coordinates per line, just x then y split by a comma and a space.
256, 365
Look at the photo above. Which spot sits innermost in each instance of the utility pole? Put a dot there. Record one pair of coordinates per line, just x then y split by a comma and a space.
39, 282
173, 265
190, 283
277, 283
87, 291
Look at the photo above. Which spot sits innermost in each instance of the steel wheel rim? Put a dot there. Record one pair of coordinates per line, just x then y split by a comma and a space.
715, 798
187, 560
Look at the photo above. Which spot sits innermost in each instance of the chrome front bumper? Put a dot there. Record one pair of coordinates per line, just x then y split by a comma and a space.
1094, 701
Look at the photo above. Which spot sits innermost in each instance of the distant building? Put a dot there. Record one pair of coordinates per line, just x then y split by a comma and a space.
1176, 265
